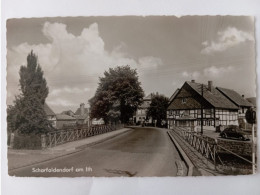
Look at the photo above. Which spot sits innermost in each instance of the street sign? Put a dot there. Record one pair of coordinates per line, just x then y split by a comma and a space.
251, 116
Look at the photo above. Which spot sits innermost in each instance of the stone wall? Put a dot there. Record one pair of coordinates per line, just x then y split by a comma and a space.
243, 148
238, 147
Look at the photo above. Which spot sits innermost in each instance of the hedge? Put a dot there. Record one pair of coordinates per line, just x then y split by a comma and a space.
27, 142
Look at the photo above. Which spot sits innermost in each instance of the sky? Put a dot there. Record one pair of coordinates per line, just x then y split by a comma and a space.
166, 51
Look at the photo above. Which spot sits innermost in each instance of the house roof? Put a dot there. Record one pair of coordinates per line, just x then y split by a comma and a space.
48, 110
146, 102
235, 97
173, 95
252, 100
214, 97
145, 105
148, 97
67, 111
78, 111
81, 117
65, 117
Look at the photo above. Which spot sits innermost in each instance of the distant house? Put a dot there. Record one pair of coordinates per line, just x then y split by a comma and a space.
68, 112
64, 120
82, 114
196, 103
51, 116
140, 114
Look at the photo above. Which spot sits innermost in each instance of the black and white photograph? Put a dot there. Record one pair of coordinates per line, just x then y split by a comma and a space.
131, 96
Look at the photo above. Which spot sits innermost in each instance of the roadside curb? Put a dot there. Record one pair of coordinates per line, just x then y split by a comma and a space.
181, 171
101, 140
69, 152
183, 154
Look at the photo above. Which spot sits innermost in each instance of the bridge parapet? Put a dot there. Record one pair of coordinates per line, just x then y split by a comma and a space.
55, 138
213, 149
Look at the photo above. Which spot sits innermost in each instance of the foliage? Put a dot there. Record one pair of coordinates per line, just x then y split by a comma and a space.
27, 115
27, 142
158, 109
118, 95
114, 112
11, 118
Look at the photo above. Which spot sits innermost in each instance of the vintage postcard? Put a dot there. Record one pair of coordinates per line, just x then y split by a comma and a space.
131, 96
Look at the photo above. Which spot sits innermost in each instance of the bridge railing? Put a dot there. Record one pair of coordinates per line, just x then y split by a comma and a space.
203, 146
207, 147
55, 138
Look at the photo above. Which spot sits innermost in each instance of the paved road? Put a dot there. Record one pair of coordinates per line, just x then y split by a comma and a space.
138, 152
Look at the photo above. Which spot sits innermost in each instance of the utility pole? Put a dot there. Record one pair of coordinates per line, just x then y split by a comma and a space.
201, 112
251, 119
253, 148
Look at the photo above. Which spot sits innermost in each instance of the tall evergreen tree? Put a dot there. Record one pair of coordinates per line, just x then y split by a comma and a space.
29, 105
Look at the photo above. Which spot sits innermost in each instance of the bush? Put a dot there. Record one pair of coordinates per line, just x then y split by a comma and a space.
27, 142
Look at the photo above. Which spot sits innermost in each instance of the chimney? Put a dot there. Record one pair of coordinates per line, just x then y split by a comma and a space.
193, 81
82, 109
210, 83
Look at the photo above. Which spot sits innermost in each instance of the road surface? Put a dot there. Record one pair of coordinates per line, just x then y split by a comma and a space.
138, 152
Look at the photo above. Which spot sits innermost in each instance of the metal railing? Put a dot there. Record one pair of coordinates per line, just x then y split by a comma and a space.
203, 146
55, 138
207, 147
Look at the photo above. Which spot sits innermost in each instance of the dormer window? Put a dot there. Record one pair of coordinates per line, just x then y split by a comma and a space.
183, 100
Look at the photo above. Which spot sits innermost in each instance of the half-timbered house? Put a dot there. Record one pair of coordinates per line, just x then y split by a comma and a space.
196, 104
237, 99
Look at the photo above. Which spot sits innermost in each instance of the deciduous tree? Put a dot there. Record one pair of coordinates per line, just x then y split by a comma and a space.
118, 95
158, 109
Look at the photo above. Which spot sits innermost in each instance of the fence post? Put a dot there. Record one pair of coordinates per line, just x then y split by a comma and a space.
55, 140
43, 141
214, 154
12, 140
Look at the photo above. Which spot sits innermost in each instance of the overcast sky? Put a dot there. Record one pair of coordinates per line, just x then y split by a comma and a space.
165, 50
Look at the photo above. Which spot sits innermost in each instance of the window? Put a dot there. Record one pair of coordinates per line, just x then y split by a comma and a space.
183, 100
209, 123
207, 111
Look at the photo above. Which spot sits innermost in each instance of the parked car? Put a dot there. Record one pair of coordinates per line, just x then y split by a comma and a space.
234, 133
